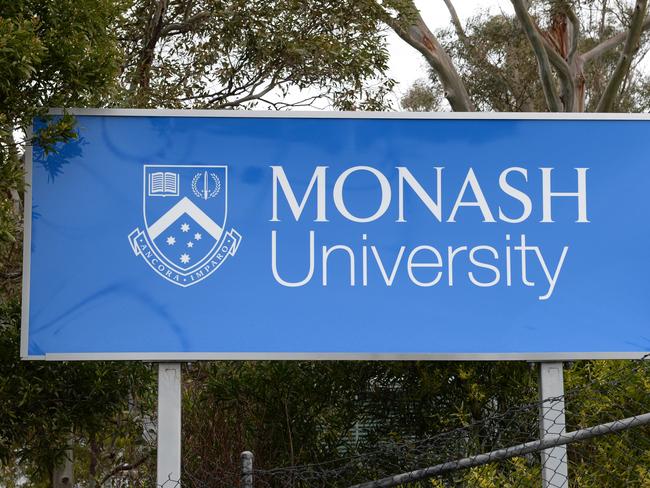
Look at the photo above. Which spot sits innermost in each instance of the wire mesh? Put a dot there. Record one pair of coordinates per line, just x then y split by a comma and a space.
502, 448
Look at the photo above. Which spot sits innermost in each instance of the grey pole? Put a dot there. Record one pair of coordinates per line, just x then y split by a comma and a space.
169, 425
63, 473
552, 422
246, 469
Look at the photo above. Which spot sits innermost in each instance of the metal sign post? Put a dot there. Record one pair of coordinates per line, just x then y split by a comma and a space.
169, 425
552, 423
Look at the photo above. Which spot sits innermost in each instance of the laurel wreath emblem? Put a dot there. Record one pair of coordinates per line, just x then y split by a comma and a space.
213, 193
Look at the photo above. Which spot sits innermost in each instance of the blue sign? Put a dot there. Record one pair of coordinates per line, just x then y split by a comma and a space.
177, 235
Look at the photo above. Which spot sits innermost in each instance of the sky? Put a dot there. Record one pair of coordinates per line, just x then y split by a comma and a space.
408, 65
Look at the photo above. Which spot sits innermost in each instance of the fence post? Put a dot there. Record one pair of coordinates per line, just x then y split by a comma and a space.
63, 473
247, 469
552, 422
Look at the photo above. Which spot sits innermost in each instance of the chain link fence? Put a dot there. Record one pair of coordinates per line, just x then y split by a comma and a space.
607, 444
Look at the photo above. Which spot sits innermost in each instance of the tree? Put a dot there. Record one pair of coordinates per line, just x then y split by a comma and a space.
43, 406
177, 53
492, 63
554, 55
307, 413
241, 53
52, 54
278, 54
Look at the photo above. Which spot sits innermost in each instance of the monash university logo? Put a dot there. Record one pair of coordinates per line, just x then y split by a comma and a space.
185, 210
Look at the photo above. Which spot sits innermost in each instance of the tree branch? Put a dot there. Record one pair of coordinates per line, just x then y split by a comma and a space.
151, 36
625, 60
123, 467
536, 42
252, 95
556, 59
185, 26
575, 34
611, 43
413, 30
460, 32
563, 70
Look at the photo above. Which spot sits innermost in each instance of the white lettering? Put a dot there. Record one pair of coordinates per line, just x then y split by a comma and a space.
405, 176
410, 264
317, 179
480, 201
516, 194
581, 195
385, 194
274, 264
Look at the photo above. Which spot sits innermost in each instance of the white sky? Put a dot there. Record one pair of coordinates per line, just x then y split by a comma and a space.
406, 64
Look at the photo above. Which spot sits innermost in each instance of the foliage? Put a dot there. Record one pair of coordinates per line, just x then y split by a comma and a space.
619, 393
338, 423
298, 413
287, 412
511, 474
497, 65
246, 53
44, 406
54, 54
421, 97
209, 53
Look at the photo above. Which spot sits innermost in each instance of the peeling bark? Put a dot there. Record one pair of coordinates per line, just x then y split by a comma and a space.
561, 65
545, 73
416, 33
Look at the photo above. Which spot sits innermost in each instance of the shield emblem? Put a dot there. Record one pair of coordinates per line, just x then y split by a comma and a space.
185, 209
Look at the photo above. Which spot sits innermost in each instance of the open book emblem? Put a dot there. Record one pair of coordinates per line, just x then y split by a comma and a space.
163, 184
184, 238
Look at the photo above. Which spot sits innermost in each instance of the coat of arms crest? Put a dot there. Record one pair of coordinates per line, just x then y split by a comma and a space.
185, 210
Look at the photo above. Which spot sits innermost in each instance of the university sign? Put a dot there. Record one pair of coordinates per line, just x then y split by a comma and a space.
177, 235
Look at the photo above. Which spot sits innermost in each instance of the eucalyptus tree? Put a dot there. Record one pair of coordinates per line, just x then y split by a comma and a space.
243, 53
551, 55
277, 54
